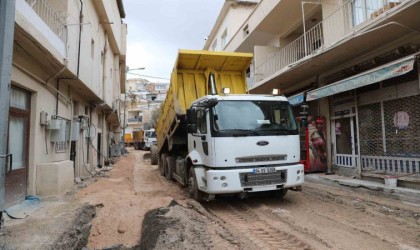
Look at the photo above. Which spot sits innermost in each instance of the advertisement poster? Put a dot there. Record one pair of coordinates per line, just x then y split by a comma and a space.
317, 150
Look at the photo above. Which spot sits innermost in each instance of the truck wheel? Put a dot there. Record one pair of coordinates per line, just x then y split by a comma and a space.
169, 167
280, 193
154, 155
195, 193
162, 164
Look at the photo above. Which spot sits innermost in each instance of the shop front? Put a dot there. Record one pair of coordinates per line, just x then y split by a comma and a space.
375, 119
313, 142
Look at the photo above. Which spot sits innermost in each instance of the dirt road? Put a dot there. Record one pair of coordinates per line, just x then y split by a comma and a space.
320, 217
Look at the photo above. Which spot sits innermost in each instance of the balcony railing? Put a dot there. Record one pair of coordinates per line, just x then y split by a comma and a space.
134, 120
346, 19
53, 18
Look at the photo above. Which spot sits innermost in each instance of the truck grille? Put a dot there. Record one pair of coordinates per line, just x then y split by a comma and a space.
275, 178
260, 158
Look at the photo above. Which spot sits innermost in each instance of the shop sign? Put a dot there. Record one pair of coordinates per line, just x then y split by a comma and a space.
297, 99
401, 120
375, 75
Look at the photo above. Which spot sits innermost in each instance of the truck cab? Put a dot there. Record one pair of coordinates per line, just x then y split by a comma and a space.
243, 143
149, 138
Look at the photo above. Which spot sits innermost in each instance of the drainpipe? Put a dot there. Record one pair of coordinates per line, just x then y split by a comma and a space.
56, 95
80, 36
7, 24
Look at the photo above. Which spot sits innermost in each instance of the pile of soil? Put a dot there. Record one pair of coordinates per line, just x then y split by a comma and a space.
178, 227
77, 234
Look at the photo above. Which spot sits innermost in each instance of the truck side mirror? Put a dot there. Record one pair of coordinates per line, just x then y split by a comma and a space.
192, 128
191, 116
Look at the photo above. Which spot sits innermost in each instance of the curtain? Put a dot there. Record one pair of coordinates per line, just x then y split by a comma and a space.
17, 141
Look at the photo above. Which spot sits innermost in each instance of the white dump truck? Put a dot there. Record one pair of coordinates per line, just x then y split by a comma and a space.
217, 139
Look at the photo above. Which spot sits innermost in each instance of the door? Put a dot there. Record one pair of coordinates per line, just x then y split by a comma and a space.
345, 141
99, 150
202, 138
18, 146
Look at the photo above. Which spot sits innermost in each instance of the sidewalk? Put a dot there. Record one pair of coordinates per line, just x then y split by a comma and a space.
400, 193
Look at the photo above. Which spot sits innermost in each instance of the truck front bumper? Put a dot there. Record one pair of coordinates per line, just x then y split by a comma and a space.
247, 180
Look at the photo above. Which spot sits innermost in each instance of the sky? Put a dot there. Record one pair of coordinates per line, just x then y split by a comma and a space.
158, 28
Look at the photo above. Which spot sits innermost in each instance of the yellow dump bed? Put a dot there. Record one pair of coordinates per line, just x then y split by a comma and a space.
189, 81
138, 136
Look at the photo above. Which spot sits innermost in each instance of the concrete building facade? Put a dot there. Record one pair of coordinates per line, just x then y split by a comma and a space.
67, 76
355, 63
143, 98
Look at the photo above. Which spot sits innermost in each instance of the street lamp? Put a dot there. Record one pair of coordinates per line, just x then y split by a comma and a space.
127, 70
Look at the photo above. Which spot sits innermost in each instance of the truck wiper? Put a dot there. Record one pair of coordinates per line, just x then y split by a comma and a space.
247, 132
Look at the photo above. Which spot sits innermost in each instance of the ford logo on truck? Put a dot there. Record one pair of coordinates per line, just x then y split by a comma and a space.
262, 143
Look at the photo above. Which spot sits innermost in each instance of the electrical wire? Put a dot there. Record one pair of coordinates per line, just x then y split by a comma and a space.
91, 144
83, 157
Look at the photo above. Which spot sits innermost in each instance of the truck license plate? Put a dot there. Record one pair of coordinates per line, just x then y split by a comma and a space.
264, 170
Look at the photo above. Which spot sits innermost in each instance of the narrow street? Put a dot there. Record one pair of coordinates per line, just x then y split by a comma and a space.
320, 217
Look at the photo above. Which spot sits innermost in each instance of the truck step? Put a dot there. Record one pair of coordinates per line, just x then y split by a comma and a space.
178, 178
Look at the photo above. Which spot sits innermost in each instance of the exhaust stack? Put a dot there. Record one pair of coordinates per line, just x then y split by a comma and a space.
212, 85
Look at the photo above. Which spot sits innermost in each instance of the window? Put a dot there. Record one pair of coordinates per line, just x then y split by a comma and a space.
60, 147
365, 9
214, 46
245, 30
201, 121
224, 38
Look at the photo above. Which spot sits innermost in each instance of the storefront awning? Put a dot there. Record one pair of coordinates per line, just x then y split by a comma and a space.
387, 71
296, 99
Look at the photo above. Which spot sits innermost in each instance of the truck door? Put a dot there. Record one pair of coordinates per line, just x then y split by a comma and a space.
201, 139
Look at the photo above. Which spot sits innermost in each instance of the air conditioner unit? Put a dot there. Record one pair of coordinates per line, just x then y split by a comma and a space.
115, 150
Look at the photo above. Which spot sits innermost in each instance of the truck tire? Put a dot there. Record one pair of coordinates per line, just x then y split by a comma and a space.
280, 193
162, 164
154, 155
195, 193
169, 167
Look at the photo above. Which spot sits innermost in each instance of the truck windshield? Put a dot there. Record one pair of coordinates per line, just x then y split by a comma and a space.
150, 134
254, 117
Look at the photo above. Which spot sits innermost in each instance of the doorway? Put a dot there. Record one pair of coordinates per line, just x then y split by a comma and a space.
17, 146
345, 141
99, 149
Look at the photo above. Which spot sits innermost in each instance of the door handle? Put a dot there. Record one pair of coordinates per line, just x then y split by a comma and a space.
9, 167
10, 163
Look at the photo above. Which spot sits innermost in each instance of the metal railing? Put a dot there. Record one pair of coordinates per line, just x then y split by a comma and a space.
390, 165
136, 120
344, 160
347, 18
54, 19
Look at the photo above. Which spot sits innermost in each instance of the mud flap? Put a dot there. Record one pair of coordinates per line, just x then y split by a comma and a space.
298, 188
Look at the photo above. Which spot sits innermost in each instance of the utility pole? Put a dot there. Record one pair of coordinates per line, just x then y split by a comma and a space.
125, 110
7, 26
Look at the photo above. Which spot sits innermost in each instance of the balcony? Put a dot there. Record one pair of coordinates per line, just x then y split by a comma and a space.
135, 120
347, 19
52, 17
43, 21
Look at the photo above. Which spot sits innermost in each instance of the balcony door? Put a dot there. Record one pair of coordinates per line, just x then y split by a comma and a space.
18, 141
